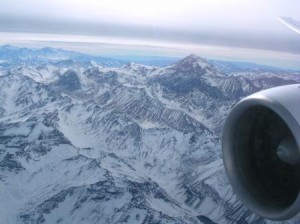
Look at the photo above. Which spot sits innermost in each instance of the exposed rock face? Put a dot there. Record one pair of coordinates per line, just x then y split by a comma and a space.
69, 81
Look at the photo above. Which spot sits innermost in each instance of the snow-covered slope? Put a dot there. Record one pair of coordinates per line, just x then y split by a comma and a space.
11, 56
133, 144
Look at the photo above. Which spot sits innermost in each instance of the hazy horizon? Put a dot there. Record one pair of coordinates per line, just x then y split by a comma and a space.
147, 56
227, 30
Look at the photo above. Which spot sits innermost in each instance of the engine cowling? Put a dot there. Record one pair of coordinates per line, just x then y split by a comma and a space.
260, 144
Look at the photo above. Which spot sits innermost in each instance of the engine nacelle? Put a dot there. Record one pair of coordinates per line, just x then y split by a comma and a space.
260, 142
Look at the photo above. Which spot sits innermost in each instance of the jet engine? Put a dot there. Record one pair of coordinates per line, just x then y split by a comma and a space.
260, 143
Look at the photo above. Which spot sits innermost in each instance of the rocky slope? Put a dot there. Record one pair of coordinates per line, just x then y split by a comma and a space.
132, 144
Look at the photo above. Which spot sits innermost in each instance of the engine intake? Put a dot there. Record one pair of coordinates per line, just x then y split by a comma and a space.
261, 152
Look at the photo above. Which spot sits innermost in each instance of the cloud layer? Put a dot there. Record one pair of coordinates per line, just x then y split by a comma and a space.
229, 23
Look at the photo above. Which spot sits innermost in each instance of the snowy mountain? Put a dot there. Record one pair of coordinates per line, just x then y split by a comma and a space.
13, 56
231, 67
128, 144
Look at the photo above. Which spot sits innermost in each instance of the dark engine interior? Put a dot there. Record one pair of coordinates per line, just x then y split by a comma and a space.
273, 183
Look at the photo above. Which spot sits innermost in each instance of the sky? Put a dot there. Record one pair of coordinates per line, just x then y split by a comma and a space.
246, 30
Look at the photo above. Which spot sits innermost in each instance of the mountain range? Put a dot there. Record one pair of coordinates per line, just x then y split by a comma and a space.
118, 143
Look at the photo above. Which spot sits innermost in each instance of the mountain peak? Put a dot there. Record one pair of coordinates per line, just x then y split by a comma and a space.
193, 64
46, 50
130, 64
133, 65
193, 58
9, 47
